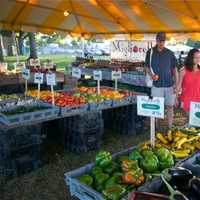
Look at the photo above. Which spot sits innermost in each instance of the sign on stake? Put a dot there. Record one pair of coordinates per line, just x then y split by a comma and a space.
153, 108
97, 75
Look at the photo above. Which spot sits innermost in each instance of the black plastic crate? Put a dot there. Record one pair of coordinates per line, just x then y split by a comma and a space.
8, 167
26, 164
83, 142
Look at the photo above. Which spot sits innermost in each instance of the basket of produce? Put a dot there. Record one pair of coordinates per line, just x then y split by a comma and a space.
28, 112
68, 102
113, 177
181, 142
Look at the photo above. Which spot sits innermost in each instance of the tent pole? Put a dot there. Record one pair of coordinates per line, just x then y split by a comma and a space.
83, 45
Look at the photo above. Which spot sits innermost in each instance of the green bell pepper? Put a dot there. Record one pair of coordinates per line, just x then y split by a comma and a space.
96, 170
86, 179
101, 178
118, 177
110, 182
111, 168
135, 155
148, 153
150, 163
169, 162
114, 193
165, 158
103, 158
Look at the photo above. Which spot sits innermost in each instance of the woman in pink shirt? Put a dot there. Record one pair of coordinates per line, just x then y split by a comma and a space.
189, 80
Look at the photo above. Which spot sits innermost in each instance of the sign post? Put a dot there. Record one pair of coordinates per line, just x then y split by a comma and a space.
76, 72
194, 118
26, 76
51, 80
116, 75
153, 108
38, 79
97, 77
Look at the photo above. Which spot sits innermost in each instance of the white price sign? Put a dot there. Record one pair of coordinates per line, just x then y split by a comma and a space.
38, 78
76, 72
26, 74
34, 62
51, 79
19, 65
97, 75
150, 107
194, 119
115, 75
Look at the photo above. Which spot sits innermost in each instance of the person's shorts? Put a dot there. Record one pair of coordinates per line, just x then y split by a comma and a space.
166, 92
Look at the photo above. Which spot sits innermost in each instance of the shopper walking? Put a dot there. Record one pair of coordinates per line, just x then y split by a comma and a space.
189, 80
163, 71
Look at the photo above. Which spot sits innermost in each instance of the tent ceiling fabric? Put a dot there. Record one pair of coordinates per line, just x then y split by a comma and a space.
91, 17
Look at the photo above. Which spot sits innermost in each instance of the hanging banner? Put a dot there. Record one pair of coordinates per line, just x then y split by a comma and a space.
194, 119
130, 50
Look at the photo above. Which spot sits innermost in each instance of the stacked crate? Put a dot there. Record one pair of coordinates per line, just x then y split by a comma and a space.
19, 150
83, 133
124, 120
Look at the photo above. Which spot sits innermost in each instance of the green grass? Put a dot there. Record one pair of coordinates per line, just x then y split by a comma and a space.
62, 61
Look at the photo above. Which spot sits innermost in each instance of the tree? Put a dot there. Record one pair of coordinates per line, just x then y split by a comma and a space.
20, 38
1, 49
32, 43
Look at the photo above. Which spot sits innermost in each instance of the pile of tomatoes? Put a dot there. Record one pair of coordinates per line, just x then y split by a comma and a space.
66, 99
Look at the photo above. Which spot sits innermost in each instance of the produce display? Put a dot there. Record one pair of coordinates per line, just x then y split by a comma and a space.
180, 142
115, 178
80, 96
124, 66
14, 100
23, 109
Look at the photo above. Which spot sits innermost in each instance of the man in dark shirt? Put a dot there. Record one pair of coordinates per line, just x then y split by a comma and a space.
164, 73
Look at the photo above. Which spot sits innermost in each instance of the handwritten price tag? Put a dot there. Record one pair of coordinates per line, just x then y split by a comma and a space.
76, 72
116, 75
19, 65
51, 79
26, 74
39, 78
34, 62
97, 75
150, 107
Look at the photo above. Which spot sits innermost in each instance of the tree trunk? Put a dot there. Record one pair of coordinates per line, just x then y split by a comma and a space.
21, 42
1, 50
32, 42
10, 45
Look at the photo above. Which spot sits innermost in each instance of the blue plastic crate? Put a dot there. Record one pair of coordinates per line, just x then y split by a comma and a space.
49, 112
121, 102
82, 191
73, 110
96, 106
